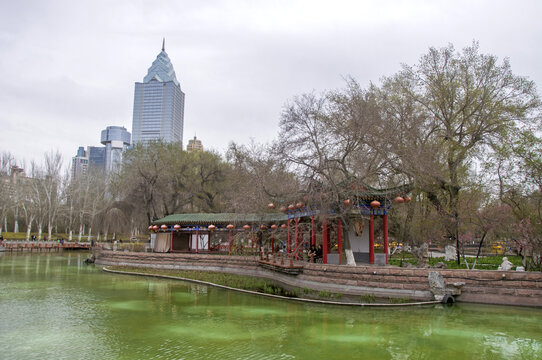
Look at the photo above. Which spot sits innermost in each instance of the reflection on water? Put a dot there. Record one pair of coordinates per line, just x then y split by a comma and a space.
53, 306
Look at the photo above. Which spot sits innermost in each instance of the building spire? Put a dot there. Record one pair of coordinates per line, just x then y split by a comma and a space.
164, 44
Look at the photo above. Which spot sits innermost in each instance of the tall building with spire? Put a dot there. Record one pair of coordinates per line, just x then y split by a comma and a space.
158, 104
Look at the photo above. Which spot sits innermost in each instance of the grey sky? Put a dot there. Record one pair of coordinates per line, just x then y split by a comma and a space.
67, 68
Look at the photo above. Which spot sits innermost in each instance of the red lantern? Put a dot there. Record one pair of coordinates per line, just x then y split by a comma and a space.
347, 202
230, 227
375, 204
399, 200
150, 228
284, 226
263, 227
407, 199
283, 209
177, 227
271, 206
211, 227
300, 205
164, 227
155, 227
246, 227
291, 207
273, 227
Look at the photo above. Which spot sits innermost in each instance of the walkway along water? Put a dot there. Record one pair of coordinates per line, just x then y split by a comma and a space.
42, 246
481, 286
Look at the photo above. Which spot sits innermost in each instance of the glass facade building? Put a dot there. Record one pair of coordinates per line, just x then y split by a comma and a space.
158, 104
96, 157
102, 158
116, 140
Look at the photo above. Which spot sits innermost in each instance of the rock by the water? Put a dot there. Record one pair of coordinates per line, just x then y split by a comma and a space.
90, 259
439, 288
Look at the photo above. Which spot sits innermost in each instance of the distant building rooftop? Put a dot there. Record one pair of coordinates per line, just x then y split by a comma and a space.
194, 145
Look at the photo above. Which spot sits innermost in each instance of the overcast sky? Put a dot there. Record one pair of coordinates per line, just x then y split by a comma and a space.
68, 68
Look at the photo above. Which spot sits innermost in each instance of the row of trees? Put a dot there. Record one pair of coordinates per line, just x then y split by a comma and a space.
156, 180
32, 199
459, 127
43, 199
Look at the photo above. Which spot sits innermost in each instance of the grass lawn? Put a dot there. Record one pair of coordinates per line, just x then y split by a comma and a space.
483, 263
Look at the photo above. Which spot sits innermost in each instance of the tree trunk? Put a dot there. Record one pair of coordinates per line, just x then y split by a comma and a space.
479, 249
350, 260
28, 229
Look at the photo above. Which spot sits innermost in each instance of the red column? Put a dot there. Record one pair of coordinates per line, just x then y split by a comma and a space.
313, 235
197, 238
296, 236
301, 237
386, 236
324, 241
328, 239
171, 242
229, 242
289, 243
340, 239
371, 240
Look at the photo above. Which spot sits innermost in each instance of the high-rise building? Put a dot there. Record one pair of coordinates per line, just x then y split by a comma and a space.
96, 157
158, 104
194, 145
116, 140
102, 158
79, 163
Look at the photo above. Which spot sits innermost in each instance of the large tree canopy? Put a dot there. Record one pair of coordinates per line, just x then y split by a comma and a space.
430, 123
450, 111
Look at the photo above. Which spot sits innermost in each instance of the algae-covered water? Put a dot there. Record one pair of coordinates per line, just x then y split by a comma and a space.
52, 306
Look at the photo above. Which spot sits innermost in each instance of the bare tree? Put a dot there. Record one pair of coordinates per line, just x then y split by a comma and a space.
258, 177
330, 142
456, 106
6, 161
51, 187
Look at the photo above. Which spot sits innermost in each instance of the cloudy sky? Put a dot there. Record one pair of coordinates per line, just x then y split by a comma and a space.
68, 68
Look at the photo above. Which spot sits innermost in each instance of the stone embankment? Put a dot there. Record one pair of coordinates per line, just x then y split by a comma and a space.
481, 286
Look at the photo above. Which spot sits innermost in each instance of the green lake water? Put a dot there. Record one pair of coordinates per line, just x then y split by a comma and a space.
56, 307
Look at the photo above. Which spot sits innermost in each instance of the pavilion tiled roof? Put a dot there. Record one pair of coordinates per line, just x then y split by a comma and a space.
360, 192
370, 193
220, 218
